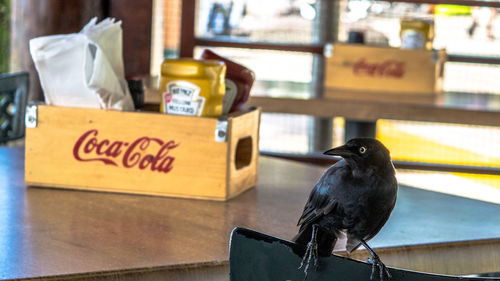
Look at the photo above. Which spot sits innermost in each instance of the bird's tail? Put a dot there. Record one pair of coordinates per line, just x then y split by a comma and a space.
326, 239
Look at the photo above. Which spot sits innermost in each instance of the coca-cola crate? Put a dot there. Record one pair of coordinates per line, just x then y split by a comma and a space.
357, 71
141, 152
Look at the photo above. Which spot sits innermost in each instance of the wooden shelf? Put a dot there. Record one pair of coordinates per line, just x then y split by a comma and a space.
362, 110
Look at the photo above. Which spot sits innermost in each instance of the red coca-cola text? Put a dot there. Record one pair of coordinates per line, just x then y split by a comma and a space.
387, 68
89, 148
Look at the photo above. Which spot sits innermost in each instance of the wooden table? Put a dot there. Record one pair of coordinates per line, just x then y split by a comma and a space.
81, 235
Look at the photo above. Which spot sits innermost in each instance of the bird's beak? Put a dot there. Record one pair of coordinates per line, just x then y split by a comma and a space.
342, 151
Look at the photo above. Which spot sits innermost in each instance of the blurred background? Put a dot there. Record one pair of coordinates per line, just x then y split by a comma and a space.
460, 30
466, 31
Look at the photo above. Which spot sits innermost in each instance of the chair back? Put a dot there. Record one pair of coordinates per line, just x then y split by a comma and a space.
14, 89
257, 256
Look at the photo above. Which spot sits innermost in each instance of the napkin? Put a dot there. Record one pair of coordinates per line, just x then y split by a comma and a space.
83, 69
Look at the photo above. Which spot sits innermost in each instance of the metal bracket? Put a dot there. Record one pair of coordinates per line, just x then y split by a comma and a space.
31, 117
434, 55
221, 131
328, 50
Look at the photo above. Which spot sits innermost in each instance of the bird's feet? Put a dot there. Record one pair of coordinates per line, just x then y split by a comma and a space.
382, 269
311, 254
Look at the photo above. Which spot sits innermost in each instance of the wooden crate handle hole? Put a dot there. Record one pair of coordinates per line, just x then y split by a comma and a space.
243, 155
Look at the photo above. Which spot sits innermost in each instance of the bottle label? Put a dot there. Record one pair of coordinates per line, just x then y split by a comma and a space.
412, 39
229, 96
183, 98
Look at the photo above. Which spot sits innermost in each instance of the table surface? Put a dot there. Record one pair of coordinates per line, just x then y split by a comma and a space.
52, 231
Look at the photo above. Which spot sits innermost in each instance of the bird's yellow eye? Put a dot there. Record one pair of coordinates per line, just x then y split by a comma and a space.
362, 149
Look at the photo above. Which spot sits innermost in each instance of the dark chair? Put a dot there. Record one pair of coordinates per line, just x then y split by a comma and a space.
14, 89
257, 256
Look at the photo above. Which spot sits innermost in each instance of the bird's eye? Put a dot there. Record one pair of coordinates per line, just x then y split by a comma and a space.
362, 149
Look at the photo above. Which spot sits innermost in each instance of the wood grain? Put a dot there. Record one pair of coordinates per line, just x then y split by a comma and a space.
371, 110
244, 175
479, 110
49, 232
361, 67
74, 235
198, 162
136, 18
457, 258
386, 96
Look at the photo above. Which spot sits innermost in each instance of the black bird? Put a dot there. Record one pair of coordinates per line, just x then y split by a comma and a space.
355, 196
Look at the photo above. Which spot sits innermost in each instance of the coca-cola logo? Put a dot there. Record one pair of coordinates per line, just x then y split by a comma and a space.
129, 155
388, 68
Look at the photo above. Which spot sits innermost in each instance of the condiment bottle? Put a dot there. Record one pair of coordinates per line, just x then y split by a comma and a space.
416, 33
239, 81
192, 87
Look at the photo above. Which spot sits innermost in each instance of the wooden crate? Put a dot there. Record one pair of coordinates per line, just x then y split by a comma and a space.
142, 153
387, 74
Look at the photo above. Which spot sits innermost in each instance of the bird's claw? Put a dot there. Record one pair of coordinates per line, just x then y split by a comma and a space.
382, 269
310, 255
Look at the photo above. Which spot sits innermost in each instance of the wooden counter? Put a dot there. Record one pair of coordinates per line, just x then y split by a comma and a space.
470, 109
457, 108
81, 235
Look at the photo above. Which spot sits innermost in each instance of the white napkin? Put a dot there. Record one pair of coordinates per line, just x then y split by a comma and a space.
83, 69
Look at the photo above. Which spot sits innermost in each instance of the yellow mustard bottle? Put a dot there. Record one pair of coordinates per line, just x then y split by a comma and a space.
192, 87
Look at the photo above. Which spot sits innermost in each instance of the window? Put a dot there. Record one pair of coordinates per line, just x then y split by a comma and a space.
283, 42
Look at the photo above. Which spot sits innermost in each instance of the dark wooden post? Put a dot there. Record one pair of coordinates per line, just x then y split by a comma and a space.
136, 17
187, 28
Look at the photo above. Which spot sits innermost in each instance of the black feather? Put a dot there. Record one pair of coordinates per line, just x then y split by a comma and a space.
355, 196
